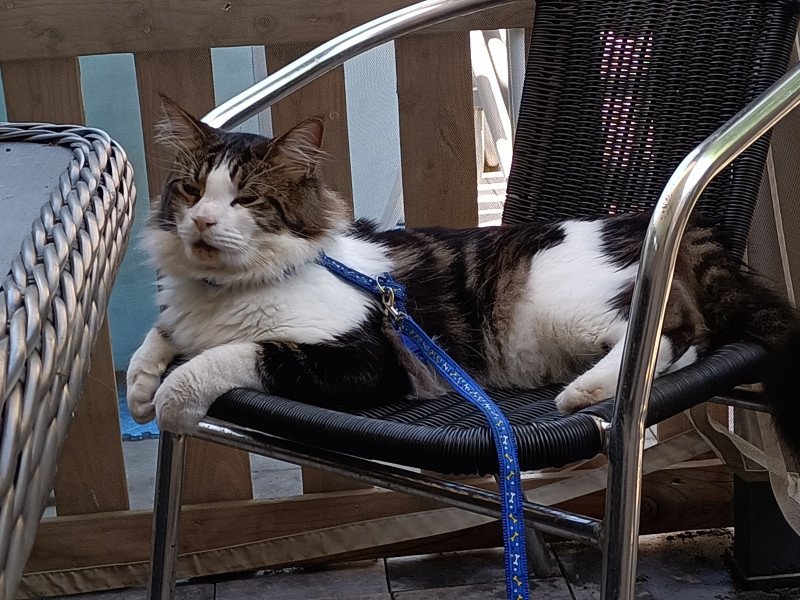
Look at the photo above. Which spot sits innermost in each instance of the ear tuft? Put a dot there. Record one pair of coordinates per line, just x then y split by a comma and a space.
299, 150
179, 129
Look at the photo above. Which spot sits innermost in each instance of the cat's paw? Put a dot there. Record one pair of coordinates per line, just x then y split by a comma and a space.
182, 400
145, 370
574, 397
143, 379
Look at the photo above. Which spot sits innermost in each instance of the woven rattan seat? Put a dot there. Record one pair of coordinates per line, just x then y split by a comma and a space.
450, 436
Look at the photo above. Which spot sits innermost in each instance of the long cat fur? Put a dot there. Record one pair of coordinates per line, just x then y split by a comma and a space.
242, 219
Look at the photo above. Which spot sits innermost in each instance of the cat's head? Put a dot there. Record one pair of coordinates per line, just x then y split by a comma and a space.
237, 206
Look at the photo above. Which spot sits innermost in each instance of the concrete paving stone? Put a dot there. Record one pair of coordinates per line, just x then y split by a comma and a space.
546, 589
277, 484
685, 566
434, 571
362, 580
140, 467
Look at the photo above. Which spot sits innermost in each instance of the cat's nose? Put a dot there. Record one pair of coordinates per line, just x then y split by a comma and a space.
203, 223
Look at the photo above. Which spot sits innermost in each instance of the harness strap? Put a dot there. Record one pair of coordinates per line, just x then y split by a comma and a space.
393, 297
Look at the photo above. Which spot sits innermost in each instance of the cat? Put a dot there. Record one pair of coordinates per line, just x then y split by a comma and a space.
236, 235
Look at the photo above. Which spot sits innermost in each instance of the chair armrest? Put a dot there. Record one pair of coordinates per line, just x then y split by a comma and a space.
649, 302
335, 52
667, 225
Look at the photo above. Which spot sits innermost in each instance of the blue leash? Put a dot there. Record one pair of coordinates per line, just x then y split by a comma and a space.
393, 297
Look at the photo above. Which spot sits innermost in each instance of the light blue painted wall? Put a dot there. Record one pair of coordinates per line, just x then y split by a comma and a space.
236, 69
112, 104
374, 129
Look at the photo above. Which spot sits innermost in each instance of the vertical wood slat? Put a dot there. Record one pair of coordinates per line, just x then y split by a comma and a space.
326, 98
213, 473
47, 90
91, 469
434, 88
91, 472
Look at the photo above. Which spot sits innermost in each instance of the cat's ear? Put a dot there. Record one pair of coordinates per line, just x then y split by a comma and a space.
178, 128
299, 150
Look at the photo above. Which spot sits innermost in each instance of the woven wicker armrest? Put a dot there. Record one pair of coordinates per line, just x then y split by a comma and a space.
66, 207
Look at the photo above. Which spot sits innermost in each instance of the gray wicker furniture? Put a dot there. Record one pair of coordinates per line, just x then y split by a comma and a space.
66, 208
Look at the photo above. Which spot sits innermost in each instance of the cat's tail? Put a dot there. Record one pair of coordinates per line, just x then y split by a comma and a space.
739, 305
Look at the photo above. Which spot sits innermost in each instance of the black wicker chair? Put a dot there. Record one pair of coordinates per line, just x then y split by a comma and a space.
617, 94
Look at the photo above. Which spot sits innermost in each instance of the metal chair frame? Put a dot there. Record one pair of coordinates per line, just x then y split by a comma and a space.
617, 533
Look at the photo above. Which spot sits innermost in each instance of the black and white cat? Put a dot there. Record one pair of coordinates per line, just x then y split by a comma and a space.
241, 222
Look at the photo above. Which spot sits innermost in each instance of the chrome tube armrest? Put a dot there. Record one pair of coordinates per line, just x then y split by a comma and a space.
653, 282
335, 52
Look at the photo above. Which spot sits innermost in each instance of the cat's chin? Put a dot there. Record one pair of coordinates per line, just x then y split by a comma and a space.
203, 252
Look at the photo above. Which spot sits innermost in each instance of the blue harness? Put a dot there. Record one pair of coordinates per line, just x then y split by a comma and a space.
393, 298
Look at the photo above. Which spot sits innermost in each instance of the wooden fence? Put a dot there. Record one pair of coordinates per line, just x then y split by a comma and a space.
96, 541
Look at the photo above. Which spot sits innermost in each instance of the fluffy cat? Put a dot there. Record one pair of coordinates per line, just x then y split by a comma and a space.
243, 218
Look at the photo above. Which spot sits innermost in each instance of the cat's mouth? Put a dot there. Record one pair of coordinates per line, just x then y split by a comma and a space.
204, 250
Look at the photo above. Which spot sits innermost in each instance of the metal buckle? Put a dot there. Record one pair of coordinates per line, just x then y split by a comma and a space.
388, 301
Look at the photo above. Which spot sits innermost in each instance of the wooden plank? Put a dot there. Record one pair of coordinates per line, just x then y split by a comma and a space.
42, 28
316, 481
215, 473
324, 98
685, 497
434, 89
43, 90
186, 77
91, 469
672, 427
206, 527
680, 423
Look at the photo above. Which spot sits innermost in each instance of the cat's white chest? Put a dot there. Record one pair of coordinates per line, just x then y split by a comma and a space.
309, 307
566, 315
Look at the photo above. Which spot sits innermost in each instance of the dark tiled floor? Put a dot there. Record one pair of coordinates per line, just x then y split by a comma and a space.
674, 567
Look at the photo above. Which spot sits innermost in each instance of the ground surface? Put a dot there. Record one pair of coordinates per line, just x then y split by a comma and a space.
671, 567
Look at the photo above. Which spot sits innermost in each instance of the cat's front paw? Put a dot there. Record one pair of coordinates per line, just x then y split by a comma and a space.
145, 370
182, 400
574, 397
143, 379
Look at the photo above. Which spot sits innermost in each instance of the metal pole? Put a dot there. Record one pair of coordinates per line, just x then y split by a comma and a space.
477, 500
166, 516
656, 268
335, 52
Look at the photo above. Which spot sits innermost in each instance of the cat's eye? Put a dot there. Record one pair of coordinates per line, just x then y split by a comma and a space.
190, 190
246, 200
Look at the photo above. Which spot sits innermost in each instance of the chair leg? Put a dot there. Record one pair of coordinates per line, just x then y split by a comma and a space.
542, 561
620, 540
166, 516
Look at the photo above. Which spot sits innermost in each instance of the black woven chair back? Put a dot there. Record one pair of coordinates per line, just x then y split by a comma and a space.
617, 92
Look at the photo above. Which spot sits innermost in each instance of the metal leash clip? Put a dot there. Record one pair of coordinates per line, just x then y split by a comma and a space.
388, 300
